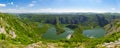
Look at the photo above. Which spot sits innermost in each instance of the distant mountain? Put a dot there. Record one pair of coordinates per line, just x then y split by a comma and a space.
87, 19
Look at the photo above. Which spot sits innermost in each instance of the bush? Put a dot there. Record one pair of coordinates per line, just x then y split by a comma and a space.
2, 36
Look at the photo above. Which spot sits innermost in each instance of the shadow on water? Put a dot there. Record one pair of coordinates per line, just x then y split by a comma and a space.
51, 34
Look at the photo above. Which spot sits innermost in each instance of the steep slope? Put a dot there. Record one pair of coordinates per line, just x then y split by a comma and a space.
113, 27
86, 19
14, 32
112, 38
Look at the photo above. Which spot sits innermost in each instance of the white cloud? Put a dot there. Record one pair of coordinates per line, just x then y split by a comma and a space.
31, 5
2, 5
113, 9
53, 10
69, 10
11, 10
11, 3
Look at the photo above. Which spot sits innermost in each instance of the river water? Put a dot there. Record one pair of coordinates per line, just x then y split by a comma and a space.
94, 33
52, 34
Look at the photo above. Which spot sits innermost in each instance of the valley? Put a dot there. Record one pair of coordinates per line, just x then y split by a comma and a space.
71, 30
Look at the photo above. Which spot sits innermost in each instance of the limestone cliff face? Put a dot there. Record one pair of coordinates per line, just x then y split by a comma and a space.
5, 28
113, 27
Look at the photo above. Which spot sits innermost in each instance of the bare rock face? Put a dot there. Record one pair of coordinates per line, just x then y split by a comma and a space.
69, 36
13, 34
40, 45
113, 27
2, 30
115, 44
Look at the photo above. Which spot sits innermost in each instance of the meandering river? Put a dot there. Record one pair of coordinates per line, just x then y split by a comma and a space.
51, 34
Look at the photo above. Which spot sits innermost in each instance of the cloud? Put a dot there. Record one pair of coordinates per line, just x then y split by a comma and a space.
113, 9
54, 10
31, 5
11, 3
69, 10
2, 5
11, 10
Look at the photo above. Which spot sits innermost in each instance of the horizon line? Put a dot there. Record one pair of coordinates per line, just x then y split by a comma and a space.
59, 12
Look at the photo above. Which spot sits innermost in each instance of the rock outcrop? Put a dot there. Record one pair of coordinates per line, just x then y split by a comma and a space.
115, 44
113, 27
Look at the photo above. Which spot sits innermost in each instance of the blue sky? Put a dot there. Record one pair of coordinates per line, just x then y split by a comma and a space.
23, 6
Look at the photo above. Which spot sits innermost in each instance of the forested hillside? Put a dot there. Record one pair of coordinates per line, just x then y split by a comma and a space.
94, 19
13, 31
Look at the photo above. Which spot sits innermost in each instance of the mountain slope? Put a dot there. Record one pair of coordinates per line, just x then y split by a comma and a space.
14, 31
113, 27
112, 38
85, 19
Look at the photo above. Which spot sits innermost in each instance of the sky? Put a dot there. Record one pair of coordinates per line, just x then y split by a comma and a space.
58, 6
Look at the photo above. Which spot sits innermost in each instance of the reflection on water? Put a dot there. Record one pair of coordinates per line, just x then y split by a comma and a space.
52, 34
94, 33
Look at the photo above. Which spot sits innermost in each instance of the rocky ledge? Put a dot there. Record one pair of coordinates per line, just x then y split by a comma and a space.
115, 44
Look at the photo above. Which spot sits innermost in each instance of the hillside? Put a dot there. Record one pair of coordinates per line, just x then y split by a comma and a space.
112, 34
85, 19
13, 31
113, 27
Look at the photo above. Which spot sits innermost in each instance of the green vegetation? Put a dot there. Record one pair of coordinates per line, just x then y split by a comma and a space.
2, 36
24, 29
59, 29
25, 33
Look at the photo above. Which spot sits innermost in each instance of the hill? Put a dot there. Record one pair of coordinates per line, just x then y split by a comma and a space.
13, 31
